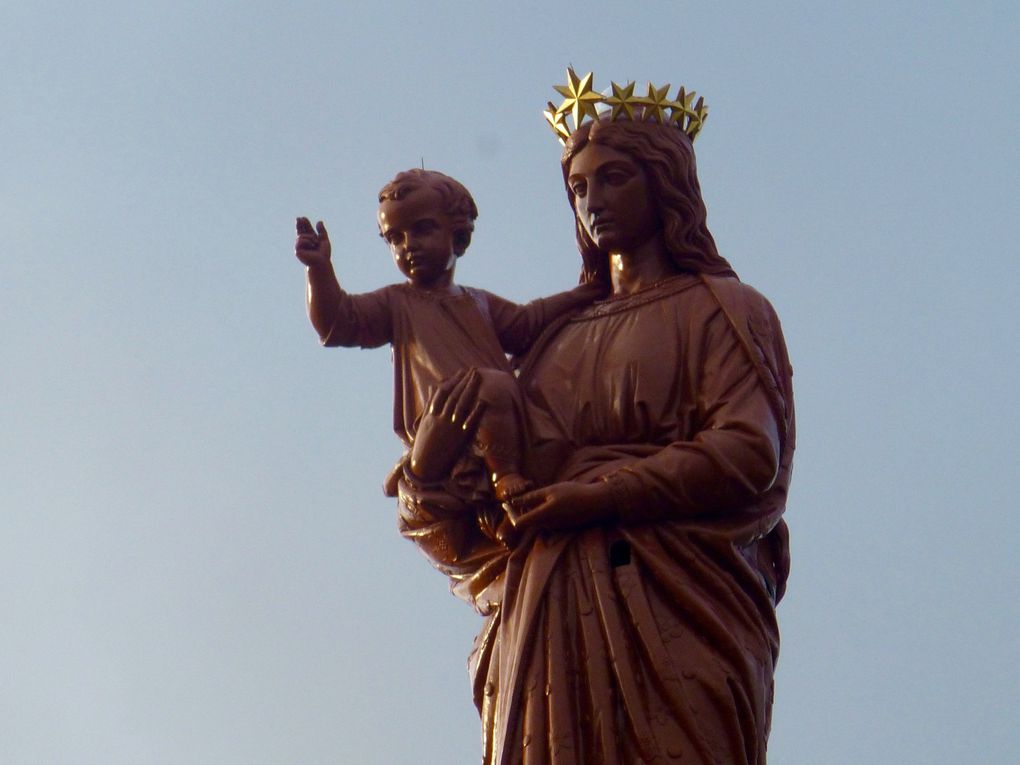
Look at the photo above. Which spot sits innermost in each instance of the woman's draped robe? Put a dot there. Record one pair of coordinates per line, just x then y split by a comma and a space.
653, 638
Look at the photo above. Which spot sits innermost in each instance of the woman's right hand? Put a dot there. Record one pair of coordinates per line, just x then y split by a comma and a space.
560, 506
447, 426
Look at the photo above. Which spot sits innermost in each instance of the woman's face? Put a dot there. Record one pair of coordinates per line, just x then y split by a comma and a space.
612, 199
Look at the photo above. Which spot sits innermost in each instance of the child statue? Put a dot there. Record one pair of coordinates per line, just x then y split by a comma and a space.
436, 328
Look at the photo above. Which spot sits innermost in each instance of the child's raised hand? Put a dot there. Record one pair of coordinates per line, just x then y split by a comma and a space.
312, 246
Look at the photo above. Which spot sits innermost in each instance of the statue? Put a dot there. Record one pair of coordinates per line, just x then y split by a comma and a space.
629, 613
435, 327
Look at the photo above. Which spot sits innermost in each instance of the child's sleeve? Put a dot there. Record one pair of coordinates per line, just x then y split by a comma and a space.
518, 326
363, 321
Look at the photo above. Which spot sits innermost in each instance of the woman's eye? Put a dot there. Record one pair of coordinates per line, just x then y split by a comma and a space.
617, 179
578, 189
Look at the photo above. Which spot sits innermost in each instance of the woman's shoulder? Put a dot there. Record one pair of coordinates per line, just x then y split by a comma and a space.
741, 302
755, 321
734, 291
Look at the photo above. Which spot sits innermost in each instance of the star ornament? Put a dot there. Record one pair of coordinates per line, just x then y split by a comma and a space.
656, 102
697, 121
682, 108
580, 98
582, 101
557, 121
622, 101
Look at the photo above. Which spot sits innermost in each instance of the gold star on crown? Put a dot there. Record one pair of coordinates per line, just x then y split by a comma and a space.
581, 102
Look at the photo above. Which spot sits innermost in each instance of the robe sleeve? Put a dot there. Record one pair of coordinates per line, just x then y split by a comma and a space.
734, 455
364, 320
518, 326
454, 529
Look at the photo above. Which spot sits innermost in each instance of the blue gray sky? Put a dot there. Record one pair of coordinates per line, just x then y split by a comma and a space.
197, 564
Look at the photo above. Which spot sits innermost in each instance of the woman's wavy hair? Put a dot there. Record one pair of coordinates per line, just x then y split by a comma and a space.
666, 155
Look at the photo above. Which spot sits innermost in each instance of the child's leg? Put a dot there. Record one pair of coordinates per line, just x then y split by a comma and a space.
500, 436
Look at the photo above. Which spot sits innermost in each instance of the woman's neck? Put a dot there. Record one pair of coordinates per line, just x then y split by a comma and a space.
640, 268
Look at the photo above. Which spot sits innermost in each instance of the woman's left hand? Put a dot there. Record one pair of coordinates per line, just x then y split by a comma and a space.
562, 506
447, 426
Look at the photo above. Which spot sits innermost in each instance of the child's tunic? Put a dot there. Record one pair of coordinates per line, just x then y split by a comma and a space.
434, 336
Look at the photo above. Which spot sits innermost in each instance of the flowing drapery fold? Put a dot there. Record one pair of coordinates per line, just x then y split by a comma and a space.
653, 638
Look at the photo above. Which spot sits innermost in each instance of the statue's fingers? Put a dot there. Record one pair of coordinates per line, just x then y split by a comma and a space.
459, 382
467, 397
304, 226
471, 423
437, 398
533, 518
441, 398
320, 227
529, 500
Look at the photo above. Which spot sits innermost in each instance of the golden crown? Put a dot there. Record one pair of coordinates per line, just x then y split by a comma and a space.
580, 102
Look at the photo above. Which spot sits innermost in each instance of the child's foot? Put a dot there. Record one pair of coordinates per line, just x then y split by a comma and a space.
510, 485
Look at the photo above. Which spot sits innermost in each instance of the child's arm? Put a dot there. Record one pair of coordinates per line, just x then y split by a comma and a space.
518, 326
323, 294
338, 317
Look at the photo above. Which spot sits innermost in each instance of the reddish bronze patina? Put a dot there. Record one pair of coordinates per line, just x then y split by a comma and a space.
630, 609
436, 327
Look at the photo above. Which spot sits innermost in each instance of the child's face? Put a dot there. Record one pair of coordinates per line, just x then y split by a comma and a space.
420, 236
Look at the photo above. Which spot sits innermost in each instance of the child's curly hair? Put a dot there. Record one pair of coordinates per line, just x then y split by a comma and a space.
456, 199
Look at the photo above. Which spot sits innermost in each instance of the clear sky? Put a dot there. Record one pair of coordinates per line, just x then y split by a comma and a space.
197, 564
